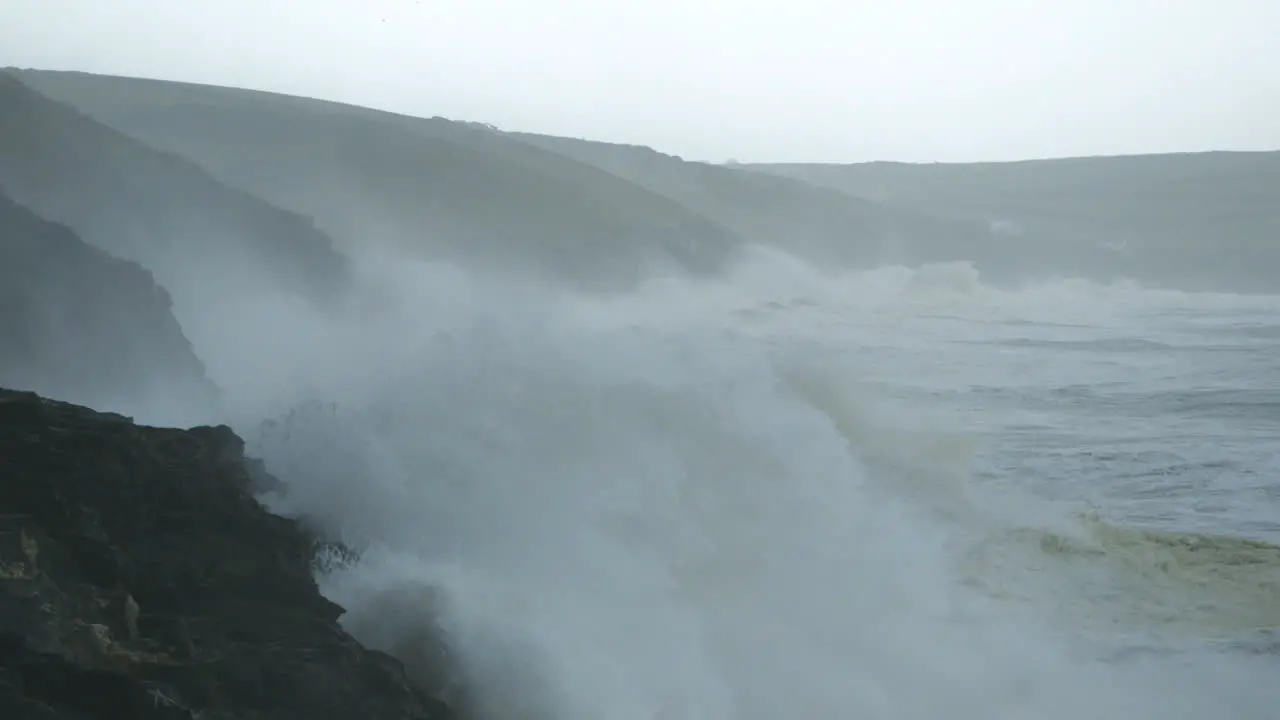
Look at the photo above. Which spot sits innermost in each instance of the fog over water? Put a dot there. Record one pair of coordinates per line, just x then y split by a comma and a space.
895, 493
618, 435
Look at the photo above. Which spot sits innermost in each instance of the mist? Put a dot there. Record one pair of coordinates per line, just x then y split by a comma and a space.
568, 506
634, 509
611, 434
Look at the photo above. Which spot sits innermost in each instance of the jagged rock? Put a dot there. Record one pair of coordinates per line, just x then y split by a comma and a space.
139, 578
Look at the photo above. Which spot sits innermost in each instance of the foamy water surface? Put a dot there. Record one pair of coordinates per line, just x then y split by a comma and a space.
891, 494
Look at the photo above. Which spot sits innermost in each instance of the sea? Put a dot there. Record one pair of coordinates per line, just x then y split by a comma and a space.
789, 493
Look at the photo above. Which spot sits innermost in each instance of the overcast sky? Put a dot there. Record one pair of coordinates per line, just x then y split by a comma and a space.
828, 80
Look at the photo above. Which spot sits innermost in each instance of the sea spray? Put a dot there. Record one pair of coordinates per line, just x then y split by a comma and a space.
658, 507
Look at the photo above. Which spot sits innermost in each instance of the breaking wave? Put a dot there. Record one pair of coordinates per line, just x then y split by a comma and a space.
697, 501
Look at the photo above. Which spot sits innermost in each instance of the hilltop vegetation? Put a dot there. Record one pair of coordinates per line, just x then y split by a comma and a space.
1190, 221
814, 222
201, 237
603, 216
88, 326
433, 188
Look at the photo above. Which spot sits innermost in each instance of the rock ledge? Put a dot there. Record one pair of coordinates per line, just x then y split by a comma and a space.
139, 578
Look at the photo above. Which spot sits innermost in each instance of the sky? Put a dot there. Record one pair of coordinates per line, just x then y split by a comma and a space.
755, 81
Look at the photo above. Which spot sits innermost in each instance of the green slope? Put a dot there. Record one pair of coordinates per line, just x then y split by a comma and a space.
1195, 221
602, 215
77, 323
199, 235
438, 188
809, 220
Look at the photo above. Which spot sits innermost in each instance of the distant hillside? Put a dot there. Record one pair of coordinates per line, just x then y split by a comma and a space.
201, 237
603, 215
439, 188
813, 221
1194, 221
79, 324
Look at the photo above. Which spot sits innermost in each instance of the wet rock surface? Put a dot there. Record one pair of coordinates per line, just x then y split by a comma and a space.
139, 578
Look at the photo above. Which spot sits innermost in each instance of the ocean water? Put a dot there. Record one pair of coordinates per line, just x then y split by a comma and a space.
898, 494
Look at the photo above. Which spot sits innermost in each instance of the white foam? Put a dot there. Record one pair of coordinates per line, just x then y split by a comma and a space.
659, 507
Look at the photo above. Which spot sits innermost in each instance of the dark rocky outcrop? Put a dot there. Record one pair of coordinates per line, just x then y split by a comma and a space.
139, 578
201, 237
80, 324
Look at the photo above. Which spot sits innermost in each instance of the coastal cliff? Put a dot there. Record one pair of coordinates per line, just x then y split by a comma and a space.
140, 578
200, 237
88, 327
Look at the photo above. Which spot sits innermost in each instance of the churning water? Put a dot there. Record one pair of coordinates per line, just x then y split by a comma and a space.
895, 494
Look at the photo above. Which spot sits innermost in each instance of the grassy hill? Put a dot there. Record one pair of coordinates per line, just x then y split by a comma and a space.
604, 215
1196, 220
77, 323
437, 188
813, 221
200, 236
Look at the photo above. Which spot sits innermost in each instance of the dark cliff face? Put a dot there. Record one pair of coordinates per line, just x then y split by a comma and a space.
201, 237
139, 578
77, 323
